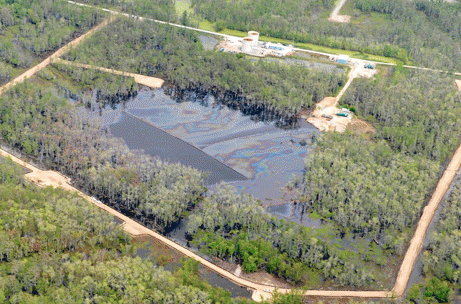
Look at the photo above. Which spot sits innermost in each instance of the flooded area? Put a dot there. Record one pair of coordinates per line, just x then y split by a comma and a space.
316, 65
209, 42
159, 143
295, 213
269, 157
170, 260
256, 157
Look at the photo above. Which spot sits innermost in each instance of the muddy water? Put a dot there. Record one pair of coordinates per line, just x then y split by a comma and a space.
155, 249
269, 157
159, 143
256, 157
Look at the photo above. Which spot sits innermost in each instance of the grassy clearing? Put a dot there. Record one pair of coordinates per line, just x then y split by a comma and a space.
355, 54
181, 6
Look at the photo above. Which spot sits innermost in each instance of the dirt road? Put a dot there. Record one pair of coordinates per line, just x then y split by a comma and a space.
336, 17
151, 82
29, 73
416, 242
328, 107
51, 178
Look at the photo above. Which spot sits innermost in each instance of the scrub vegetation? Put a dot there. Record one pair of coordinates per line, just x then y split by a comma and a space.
375, 185
31, 29
424, 32
442, 257
233, 226
55, 247
269, 89
156, 9
37, 120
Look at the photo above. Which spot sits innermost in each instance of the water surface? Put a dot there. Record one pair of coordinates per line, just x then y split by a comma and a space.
269, 157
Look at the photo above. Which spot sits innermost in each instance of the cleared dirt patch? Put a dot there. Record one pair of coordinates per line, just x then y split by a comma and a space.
148, 81
336, 17
361, 127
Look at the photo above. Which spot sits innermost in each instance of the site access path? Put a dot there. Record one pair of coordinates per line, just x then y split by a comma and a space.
148, 81
113, 12
31, 72
336, 17
55, 179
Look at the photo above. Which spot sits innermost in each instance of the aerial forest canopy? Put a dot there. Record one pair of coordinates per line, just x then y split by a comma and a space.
376, 184
442, 256
56, 247
423, 32
233, 226
31, 29
157, 9
417, 113
37, 120
177, 55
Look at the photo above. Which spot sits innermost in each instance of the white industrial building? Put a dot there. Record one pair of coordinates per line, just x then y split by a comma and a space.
252, 46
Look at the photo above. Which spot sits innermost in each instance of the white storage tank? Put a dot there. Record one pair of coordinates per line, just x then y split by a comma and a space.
247, 44
255, 36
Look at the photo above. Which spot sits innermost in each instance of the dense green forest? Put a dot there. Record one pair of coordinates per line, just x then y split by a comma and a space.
376, 184
442, 257
424, 32
55, 247
365, 186
156, 9
36, 119
233, 226
417, 113
177, 55
31, 29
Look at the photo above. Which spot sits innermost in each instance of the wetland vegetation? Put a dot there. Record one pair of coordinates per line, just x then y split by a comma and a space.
31, 30
266, 88
414, 114
56, 247
441, 258
376, 184
390, 28
38, 121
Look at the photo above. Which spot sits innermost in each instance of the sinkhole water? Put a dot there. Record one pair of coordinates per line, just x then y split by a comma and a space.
257, 157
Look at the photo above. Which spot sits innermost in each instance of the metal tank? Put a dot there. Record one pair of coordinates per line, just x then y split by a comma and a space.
247, 44
255, 36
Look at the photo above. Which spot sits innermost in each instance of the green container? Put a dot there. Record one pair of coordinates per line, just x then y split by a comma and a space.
343, 114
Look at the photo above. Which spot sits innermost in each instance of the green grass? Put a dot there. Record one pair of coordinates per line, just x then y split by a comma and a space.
181, 6
206, 25
355, 54
309, 46
313, 278
348, 9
